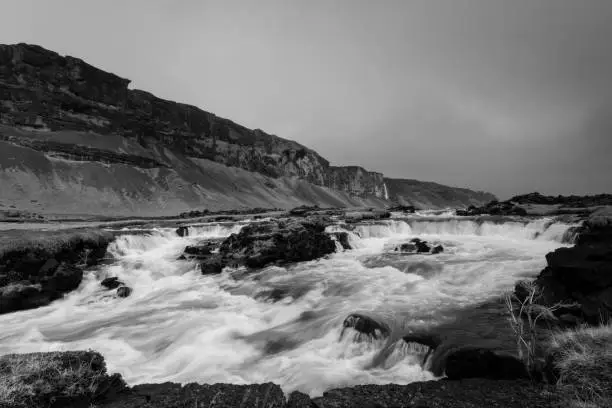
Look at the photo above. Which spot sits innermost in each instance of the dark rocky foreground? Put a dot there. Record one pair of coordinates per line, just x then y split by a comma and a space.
79, 380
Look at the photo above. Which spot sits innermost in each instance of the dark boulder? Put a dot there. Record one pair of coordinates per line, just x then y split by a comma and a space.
365, 325
212, 265
277, 242
437, 249
484, 363
124, 291
421, 246
65, 279
111, 283
343, 238
182, 231
21, 296
406, 247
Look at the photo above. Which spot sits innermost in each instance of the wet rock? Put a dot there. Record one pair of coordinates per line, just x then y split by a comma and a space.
365, 325
421, 246
483, 363
124, 291
21, 296
343, 238
406, 247
111, 283
277, 242
582, 274
182, 231
437, 249
53, 267
65, 279
212, 265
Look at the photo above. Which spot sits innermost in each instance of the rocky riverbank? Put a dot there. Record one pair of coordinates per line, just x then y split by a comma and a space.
79, 379
39, 267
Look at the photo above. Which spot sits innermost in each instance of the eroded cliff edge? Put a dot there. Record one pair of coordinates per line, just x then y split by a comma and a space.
62, 116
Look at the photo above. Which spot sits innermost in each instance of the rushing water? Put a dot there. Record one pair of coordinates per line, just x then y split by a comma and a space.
282, 324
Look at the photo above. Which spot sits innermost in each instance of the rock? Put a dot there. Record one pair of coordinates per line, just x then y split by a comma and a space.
172, 395
48, 268
303, 210
469, 393
284, 241
406, 247
421, 246
182, 231
493, 208
343, 238
358, 216
124, 291
21, 296
483, 363
42, 261
299, 400
111, 283
437, 249
212, 265
55, 383
410, 209
365, 325
65, 279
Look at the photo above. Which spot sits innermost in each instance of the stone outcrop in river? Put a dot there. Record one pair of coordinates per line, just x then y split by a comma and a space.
272, 242
35, 272
58, 113
582, 274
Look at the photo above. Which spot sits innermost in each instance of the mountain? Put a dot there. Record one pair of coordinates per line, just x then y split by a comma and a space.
75, 139
426, 194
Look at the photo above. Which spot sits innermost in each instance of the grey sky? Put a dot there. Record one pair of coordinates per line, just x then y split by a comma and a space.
508, 96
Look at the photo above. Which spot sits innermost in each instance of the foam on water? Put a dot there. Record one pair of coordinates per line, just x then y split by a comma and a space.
181, 326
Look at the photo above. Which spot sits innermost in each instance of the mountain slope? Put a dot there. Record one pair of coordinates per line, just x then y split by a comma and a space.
75, 138
425, 194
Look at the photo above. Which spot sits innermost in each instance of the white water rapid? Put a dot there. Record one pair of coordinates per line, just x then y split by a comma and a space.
281, 324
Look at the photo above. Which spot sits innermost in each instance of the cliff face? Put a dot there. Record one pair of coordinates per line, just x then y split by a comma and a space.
63, 122
41, 90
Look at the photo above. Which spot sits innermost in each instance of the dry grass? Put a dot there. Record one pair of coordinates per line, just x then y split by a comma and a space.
583, 359
51, 242
31, 380
526, 316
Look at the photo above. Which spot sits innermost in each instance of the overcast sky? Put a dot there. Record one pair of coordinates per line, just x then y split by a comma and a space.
508, 96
